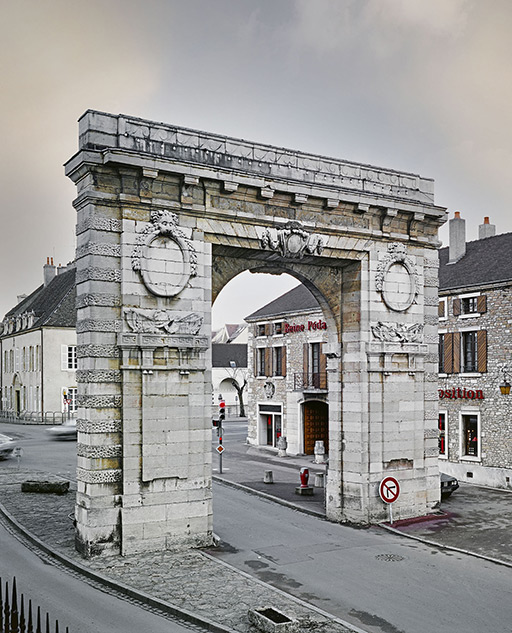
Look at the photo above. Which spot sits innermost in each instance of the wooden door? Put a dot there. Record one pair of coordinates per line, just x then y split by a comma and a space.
316, 425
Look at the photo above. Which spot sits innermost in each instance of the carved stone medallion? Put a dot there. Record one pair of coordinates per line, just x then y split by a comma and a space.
163, 256
269, 389
397, 279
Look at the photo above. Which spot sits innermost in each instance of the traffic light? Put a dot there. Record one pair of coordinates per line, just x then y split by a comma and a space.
222, 411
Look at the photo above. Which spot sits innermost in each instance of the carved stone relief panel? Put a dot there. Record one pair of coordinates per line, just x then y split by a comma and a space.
292, 241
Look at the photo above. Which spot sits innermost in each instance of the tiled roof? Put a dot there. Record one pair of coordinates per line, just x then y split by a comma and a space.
298, 299
486, 261
53, 304
224, 353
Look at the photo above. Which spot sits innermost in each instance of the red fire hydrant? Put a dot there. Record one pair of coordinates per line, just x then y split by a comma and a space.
304, 477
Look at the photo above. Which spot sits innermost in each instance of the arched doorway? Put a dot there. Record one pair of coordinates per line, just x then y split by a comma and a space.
316, 425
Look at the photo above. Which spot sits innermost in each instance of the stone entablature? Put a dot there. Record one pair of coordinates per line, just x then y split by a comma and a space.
233, 160
477, 393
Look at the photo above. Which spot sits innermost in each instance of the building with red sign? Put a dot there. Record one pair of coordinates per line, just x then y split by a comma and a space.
287, 391
475, 356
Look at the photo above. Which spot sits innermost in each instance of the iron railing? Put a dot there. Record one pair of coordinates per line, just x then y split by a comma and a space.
35, 417
14, 618
305, 381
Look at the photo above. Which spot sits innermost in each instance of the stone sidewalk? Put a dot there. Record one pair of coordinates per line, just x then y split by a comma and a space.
193, 584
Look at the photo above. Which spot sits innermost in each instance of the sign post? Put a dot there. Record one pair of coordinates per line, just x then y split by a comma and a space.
389, 490
222, 417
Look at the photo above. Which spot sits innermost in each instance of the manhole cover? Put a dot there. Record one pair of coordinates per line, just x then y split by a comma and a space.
390, 558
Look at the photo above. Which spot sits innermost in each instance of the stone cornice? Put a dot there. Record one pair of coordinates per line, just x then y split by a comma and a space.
155, 146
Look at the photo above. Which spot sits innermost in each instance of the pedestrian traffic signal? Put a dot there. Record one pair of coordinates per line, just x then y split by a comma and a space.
222, 411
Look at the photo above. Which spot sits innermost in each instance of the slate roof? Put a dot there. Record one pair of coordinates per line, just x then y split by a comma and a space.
54, 305
296, 300
487, 261
223, 353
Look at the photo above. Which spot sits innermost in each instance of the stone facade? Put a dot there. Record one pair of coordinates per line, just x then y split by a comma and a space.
284, 383
165, 218
474, 397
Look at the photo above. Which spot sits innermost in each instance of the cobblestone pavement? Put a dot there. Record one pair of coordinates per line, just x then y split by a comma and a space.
192, 581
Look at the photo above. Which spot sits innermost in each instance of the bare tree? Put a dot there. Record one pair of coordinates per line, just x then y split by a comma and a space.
238, 378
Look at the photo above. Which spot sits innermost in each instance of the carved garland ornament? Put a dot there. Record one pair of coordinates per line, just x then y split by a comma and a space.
163, 256
158, 321
398, 332
397, 279
292, 241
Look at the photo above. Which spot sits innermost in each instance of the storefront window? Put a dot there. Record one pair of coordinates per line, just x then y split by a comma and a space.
271, 424
470, 435
442, 434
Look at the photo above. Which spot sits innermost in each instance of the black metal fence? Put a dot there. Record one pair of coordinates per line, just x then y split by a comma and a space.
17, 617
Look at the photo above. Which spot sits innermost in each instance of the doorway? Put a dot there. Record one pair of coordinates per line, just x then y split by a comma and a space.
316, 425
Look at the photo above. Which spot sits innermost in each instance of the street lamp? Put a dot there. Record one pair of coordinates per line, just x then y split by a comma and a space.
505, 385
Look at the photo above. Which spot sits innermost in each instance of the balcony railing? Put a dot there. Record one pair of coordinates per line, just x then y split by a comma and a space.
310, 381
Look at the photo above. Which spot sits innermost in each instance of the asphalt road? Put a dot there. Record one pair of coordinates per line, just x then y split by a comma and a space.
40, 452
368, 577
74, 603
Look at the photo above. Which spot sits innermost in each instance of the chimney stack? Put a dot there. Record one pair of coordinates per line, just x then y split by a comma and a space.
486, 229
49, 271
457, 248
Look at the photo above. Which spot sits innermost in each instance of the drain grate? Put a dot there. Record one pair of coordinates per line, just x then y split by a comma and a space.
390, 558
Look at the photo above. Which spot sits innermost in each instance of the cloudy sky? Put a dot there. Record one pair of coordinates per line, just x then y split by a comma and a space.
412, 85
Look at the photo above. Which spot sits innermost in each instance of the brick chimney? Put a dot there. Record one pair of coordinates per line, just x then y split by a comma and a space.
486, 229
457, 248
49, 271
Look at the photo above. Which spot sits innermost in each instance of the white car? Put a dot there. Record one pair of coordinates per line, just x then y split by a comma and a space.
64, 431
7, 446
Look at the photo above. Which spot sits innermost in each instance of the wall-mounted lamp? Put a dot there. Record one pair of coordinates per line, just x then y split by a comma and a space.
505, 384
232, 364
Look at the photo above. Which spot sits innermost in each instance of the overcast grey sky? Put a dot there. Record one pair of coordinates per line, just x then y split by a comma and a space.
415, 85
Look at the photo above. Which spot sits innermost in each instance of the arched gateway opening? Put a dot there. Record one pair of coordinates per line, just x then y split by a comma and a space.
166, 216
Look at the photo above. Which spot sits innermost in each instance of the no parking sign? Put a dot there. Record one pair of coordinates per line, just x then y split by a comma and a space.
389, 491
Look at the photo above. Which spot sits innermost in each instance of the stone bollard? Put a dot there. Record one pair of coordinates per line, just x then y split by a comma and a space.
319, 480
319, 452
282, 445
268, 477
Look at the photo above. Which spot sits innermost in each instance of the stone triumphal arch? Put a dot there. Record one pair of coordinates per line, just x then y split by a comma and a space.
166, 216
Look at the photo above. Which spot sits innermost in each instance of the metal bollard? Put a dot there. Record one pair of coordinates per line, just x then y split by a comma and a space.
319, 480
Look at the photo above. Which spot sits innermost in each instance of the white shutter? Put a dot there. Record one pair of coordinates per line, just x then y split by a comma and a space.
64, 357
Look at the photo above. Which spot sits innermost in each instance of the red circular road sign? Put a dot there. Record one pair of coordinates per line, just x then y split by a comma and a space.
389, 489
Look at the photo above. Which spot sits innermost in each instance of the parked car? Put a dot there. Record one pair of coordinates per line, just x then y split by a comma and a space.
64, 431
448, 485
7, 446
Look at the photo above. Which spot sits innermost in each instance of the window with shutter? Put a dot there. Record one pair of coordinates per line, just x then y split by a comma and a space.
482, 351
448, 352
456, 307
482, 304
283, 361
268, 361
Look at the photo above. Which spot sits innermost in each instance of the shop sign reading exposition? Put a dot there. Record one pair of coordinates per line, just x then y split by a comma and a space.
458, 392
